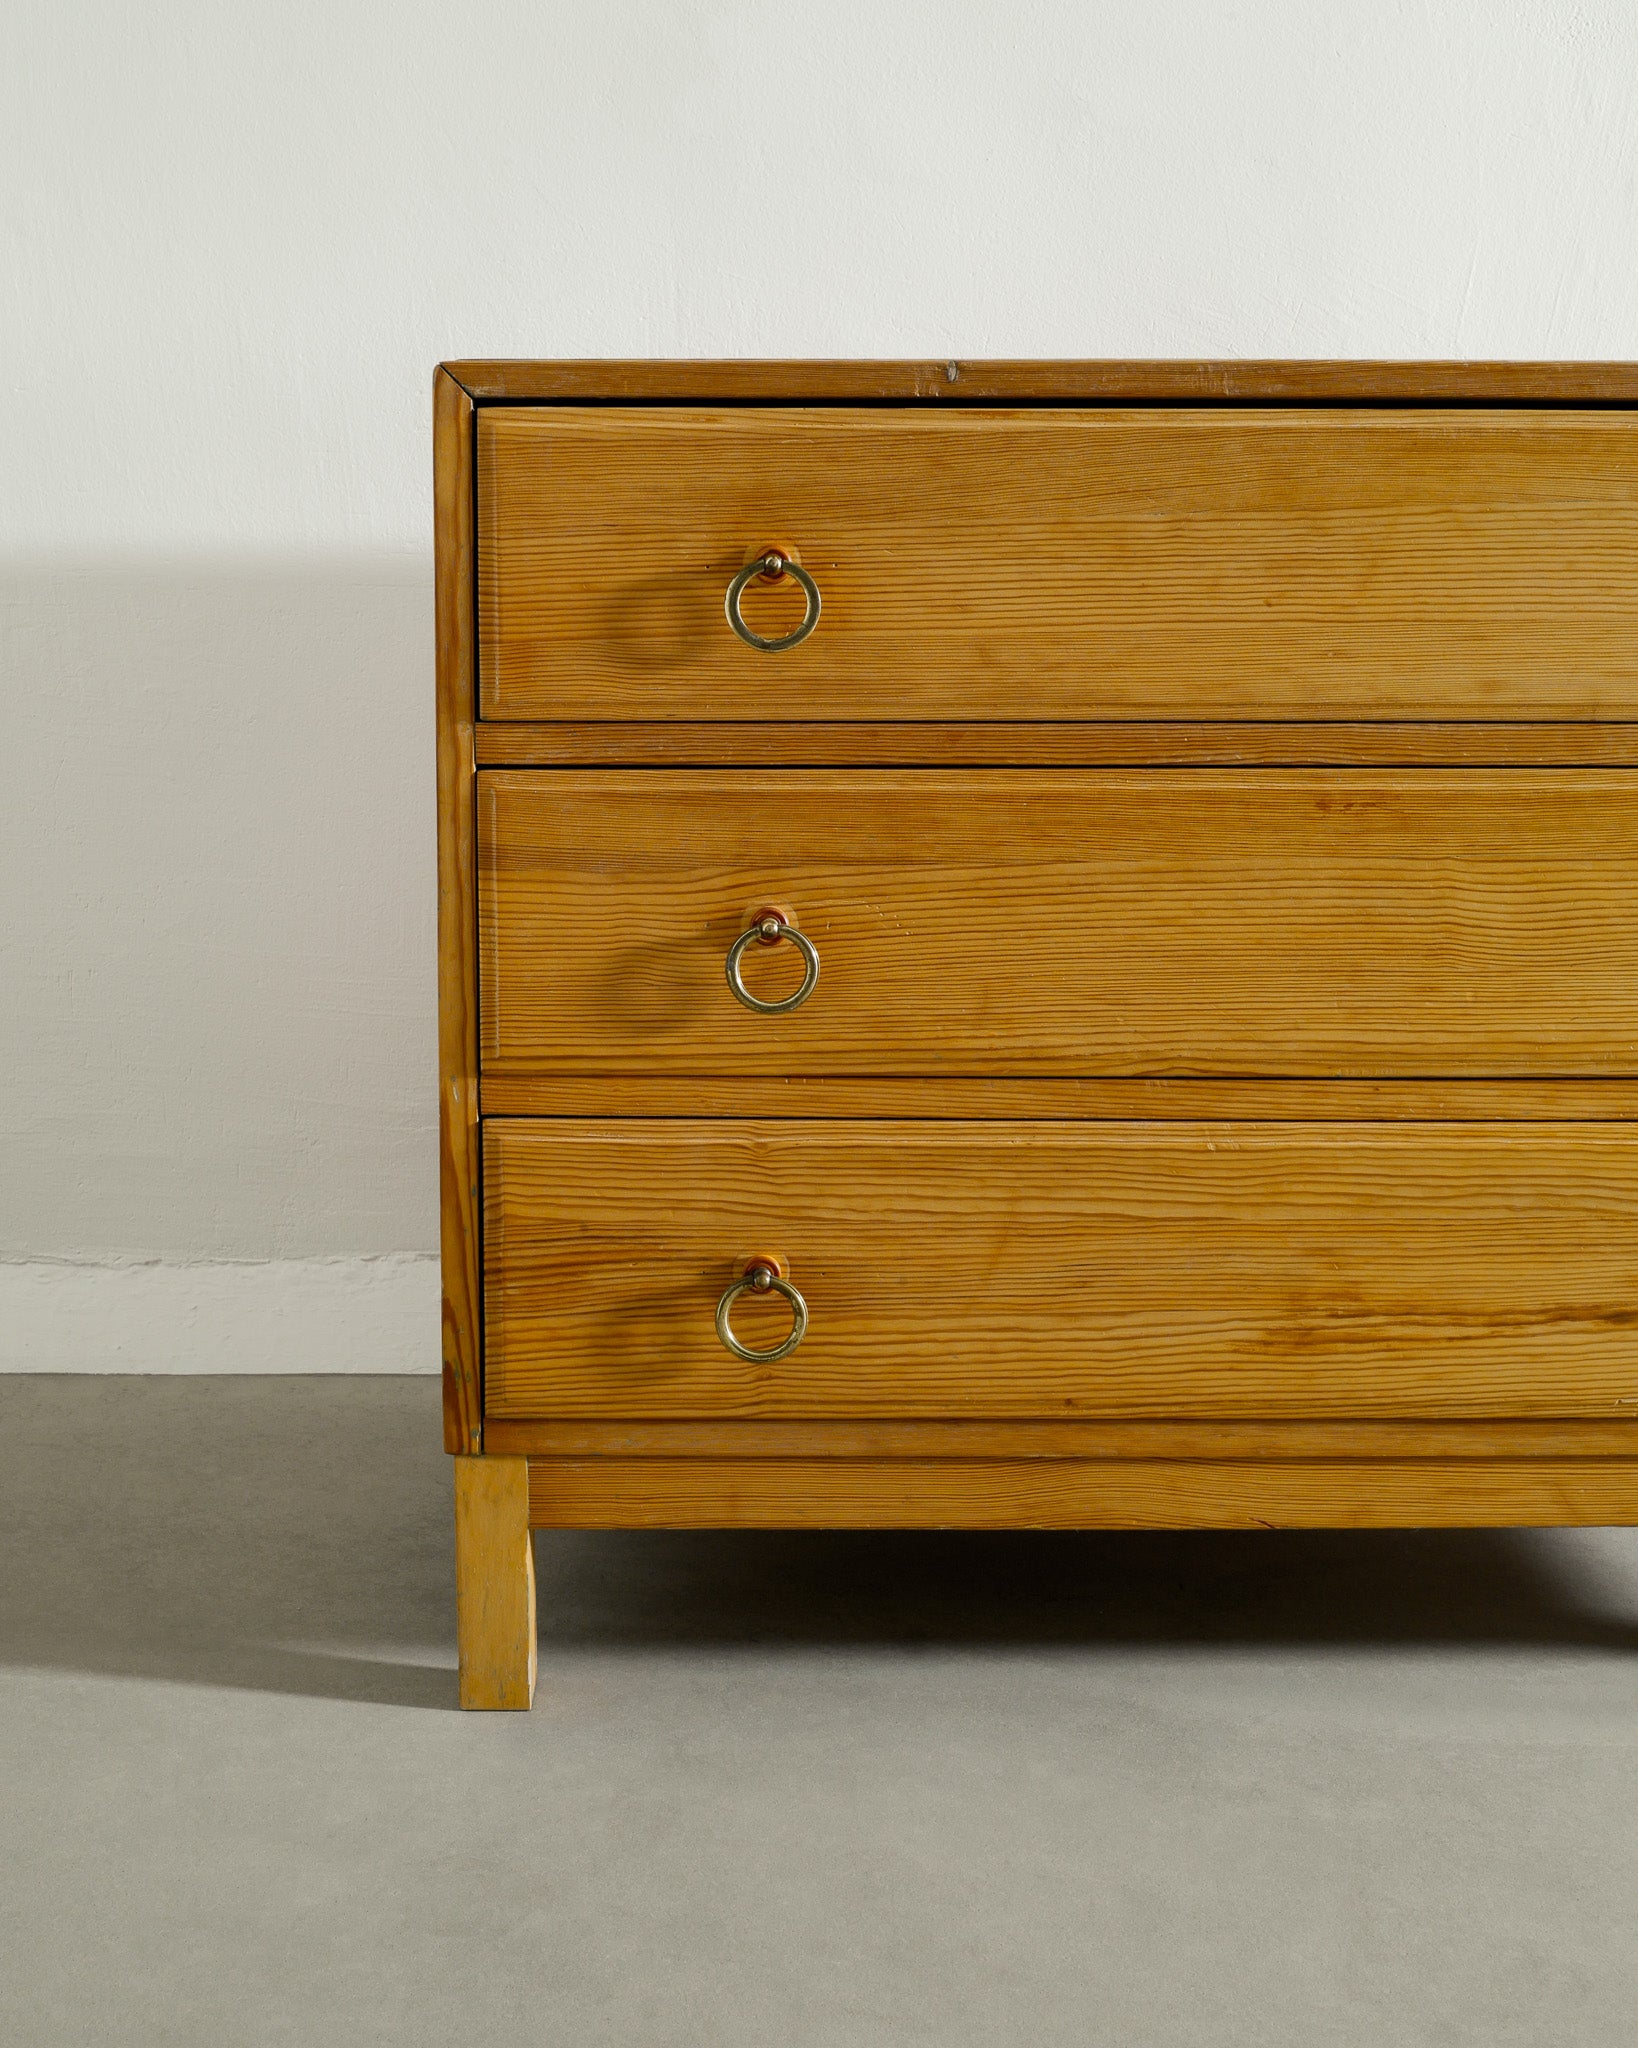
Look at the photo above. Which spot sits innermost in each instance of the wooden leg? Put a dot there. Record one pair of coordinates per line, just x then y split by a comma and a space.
494, 1582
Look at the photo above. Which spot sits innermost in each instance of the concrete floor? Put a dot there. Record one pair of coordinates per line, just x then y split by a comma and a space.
835, 1791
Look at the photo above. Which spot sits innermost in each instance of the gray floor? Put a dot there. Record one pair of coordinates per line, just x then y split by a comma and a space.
1281, 1790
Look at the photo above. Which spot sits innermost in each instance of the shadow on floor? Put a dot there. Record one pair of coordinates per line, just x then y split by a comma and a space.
286, 1535
293, 1535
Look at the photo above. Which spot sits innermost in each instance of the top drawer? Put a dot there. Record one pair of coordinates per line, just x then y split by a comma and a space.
1162, 563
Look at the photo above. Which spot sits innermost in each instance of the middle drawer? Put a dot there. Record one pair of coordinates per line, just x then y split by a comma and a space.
1303, 922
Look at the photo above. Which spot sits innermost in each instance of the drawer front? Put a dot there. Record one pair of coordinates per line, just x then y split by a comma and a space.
1159, 563
1307, 922
1060, 1269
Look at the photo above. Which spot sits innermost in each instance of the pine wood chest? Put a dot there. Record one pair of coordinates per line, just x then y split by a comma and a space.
1033, 945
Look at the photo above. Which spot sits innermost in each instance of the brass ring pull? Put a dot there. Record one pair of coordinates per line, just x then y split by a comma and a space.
768, 930
773, 565
763, 1279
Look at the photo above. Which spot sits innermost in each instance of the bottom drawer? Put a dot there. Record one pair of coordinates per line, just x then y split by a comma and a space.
1041, 1269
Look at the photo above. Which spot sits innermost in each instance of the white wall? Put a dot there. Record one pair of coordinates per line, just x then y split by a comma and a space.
234, 242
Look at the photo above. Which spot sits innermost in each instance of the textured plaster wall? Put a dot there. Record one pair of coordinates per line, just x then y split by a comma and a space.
237, 239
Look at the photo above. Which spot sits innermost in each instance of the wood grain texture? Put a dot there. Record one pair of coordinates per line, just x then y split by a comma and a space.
1061, 1269
457, 947
491, 380
1184, 563
494, 1582
1148, 1438
997, 743
1347, 922
884, 1493
1260, 1100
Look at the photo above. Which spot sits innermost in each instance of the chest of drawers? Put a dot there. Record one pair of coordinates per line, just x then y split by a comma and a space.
1033, 945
